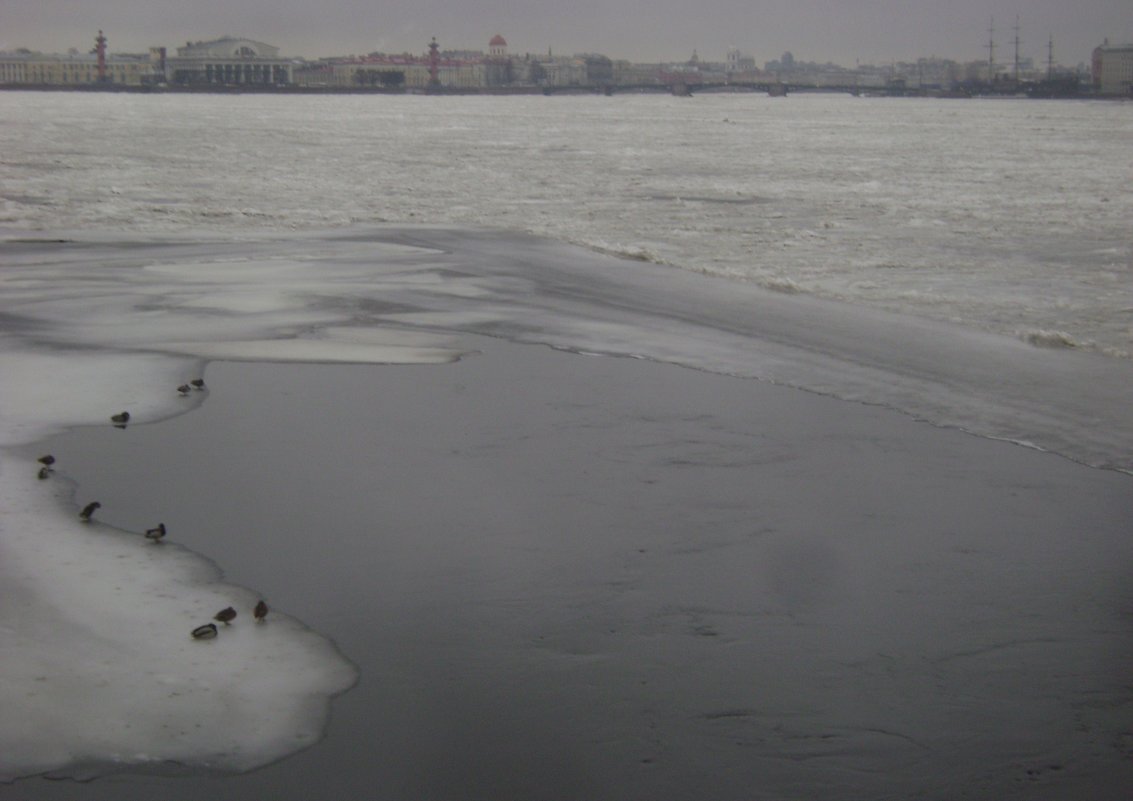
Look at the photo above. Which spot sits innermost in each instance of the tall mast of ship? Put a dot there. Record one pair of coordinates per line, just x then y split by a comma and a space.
1050, 58
1016, 48
991, 51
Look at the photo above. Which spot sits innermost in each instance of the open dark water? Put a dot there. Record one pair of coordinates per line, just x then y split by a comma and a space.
569, 577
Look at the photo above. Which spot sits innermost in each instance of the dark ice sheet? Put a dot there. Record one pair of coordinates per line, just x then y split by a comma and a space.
568, 577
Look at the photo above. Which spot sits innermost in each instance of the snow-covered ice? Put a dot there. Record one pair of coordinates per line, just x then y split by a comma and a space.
99, 665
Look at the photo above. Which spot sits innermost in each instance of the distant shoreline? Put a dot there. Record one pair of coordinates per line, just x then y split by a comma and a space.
263, 89
526, 91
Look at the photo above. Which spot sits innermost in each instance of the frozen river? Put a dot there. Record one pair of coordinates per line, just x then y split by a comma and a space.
1003, 215
558, 572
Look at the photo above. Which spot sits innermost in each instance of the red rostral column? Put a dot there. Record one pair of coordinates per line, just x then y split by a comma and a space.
100, 50
434, 62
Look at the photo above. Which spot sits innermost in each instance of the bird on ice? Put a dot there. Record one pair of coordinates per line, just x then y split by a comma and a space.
44, 472
88, 510
156, 534
46, 460
184, 389
205, 632
120, 419
260, 612
225, 615
198, 383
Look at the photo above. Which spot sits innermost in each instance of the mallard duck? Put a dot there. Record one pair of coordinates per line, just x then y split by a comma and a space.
184, 389
88, 510
205, 632
46, 460
260, 612
120, 419
44, 472
226, 615
156, 534
198, 383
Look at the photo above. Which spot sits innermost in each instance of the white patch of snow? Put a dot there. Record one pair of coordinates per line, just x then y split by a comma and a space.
95, 623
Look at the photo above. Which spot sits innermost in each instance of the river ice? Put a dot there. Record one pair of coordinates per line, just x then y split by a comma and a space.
1002, 215
125, 270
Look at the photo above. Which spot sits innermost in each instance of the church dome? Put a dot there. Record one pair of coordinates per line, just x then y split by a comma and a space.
498, 41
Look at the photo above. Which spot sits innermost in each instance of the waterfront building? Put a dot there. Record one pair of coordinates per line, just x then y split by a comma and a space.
404, 71
627, 73
463, 69
497, 47
599, 69
1113, 69
560, 72
74, 69
376, 70
497, 64
230, 61
456, 69
738, 62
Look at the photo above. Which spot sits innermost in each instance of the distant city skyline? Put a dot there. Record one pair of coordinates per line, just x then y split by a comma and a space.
844, 32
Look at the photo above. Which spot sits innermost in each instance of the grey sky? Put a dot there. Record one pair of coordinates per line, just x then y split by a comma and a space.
842, 31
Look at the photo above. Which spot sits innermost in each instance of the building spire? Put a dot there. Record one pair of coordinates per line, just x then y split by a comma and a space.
434, 63
100, 51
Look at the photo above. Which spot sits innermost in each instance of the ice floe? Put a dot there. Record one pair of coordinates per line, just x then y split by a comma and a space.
104, 617
101, 670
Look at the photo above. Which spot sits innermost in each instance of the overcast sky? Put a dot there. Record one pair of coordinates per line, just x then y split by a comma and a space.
842, 31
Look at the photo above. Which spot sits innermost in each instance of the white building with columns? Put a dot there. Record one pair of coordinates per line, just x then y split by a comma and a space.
230, 61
